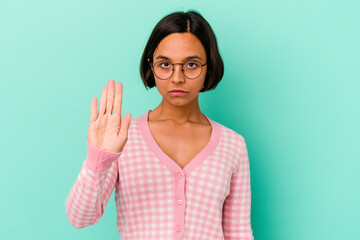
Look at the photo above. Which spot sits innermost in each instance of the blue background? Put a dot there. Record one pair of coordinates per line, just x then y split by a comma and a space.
291, 88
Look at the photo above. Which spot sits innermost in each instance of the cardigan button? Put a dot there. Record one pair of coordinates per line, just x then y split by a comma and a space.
179, 201
180, 174
178, 228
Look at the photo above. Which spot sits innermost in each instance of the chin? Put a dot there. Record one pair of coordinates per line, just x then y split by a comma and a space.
179, 103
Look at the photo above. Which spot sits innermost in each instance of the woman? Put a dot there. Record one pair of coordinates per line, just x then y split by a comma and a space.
177, 174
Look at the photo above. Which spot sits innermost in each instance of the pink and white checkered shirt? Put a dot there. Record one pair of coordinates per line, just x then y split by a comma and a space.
156, 199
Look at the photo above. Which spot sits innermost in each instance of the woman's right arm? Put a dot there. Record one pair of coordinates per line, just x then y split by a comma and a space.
107, 136
86, 201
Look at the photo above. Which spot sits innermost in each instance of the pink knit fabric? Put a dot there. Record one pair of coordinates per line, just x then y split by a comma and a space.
209, 199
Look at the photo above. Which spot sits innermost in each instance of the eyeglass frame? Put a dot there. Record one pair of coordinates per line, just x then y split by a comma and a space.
182, 68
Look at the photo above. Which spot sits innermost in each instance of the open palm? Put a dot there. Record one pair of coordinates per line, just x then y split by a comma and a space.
106, 129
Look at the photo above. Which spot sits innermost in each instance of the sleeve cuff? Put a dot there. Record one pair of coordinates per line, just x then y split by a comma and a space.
98, 160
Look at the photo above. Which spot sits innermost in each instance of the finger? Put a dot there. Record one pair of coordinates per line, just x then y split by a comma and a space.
93, 109
125, 123
110, 96
118, 99
102, 107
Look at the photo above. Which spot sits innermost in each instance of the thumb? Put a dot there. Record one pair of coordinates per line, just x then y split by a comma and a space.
125, 123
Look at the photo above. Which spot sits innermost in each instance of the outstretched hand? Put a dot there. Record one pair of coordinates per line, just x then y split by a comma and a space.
107, 130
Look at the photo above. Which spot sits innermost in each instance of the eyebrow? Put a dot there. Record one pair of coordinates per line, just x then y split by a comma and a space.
189, 57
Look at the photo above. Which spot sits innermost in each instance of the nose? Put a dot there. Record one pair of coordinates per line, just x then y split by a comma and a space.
178, 74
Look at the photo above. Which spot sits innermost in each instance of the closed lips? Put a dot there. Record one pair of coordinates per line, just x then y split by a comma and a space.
177, 90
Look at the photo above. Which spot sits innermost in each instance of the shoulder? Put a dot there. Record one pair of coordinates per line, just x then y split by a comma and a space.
234, 143
231, 141
230, 135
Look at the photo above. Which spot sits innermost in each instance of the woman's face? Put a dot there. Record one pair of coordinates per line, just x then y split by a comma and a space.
177, 47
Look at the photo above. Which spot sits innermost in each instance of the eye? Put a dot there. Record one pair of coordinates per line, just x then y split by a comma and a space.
192, 65
165, 64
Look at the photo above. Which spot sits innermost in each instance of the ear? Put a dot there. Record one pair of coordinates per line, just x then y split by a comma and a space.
151, 68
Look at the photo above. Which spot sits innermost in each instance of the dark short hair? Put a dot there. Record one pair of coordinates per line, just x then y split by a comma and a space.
181, 22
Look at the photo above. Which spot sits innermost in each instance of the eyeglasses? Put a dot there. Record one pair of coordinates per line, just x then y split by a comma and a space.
165, 69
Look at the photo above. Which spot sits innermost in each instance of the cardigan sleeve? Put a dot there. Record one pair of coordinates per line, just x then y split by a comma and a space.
237, 205
86, 201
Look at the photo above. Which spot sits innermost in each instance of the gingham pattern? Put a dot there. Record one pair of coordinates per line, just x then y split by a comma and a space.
156, 200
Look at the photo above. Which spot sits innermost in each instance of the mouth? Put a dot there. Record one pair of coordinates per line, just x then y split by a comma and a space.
178, 90
177, 93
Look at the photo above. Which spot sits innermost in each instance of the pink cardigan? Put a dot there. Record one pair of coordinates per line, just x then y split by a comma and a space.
156, 199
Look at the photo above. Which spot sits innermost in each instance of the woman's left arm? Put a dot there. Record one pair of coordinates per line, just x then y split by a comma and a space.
237, 205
